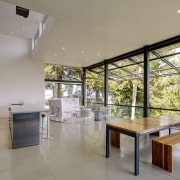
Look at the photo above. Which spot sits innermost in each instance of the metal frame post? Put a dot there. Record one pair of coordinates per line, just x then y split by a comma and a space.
84, 86
105, 84
146, 81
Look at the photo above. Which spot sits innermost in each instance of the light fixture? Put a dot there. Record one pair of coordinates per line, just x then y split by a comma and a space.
22, 11
178, 11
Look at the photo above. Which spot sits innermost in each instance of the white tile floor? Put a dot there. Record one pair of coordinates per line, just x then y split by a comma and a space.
77, 151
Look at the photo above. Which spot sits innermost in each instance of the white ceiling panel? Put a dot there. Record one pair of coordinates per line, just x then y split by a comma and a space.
87, 32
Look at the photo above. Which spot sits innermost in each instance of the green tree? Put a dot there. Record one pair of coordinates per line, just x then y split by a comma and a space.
60, 72
95, 85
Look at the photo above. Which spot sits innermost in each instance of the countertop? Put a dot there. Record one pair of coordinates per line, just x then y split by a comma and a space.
26, 108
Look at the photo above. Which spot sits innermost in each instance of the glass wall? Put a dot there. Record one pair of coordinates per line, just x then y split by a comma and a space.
165, 80
62, 81
126, 81
126, 87
61, 72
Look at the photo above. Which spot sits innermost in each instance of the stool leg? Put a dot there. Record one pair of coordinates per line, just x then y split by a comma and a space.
40, 128
44, 134
47, 127
42, 123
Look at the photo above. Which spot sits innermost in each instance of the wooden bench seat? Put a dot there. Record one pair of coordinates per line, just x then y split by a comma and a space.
162, 150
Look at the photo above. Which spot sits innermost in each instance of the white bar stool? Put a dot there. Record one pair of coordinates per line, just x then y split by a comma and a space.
98, 115
86, 113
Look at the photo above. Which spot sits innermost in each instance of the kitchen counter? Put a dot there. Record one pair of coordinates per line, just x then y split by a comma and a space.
16, 108
24, 125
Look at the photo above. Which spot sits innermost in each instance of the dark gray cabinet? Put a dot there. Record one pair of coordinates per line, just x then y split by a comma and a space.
24, 127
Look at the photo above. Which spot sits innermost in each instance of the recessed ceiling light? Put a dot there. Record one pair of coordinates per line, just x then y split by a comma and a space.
63, 48
55, 55
82, 51
178, 11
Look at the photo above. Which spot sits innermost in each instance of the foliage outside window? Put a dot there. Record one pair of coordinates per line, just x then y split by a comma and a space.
95, 90
62, 81
125, 83
165, 86
61, 72
126, 86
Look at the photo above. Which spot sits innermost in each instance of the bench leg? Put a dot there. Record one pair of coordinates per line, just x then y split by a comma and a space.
168, 164
156, 134
157, 154
115, 139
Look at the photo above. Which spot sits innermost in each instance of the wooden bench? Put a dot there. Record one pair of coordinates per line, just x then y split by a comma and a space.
162, 150
115, 139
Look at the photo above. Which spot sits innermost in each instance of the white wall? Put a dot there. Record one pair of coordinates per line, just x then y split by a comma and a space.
21, 77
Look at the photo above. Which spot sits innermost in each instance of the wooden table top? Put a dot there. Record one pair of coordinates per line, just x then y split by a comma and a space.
145, 125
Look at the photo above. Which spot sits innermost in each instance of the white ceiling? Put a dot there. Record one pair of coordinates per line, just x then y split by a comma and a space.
14, 25
90, 31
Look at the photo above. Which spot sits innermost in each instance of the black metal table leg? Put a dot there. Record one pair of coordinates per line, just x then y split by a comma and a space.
169, 130
107, 142
136, 158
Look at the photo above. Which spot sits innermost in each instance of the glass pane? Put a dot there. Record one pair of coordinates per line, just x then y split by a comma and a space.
165, 93
60, 72
168, 50
57, 90
165, 82
99, 69
122, 63
95, 88
125, 96
175, 60
152, 56
138, 58
127, 73
71, 73
166, 66
124, 111
160, 68
126, 87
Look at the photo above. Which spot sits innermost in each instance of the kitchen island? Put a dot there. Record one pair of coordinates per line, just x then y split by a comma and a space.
24, 123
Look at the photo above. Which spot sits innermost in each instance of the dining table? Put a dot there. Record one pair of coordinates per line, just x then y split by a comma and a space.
139, 127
